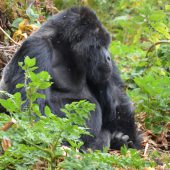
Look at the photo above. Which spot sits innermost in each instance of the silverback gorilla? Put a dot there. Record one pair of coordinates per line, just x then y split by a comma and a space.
73, 47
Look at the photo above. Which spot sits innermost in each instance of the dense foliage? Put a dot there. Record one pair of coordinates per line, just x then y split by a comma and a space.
38, 138
141, 47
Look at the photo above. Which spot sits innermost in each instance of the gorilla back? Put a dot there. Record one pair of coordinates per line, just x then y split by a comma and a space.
67, 46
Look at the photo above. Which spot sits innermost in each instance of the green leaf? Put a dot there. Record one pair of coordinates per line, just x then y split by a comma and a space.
157, 16
16, 22
29, 62
123, 150
48, 112
8, 104
19, 86
31, 14
36, 110
167, 7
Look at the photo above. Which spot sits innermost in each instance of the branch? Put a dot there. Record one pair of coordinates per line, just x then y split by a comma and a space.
38, 147
155, 44
9, 37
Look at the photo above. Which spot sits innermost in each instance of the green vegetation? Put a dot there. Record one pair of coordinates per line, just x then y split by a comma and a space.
34, 141
140, 46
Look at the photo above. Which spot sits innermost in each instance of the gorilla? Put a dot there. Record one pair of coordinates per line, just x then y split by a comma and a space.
72, 47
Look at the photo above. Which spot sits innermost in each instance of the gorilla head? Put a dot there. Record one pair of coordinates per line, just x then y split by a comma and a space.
91, 41
84, 37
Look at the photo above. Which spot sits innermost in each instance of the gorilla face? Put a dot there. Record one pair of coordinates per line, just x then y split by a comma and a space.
99, 66
86, 40
90, 41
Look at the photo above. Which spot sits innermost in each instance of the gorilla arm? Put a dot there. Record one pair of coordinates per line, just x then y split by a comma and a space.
117, 112
32, 47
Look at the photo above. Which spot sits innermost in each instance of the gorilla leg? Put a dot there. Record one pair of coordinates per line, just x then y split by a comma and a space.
100, 137
102, 140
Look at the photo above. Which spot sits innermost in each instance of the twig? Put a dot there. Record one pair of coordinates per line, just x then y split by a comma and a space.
146, 149
7, 47
38, 147
9, 37
2, 43
10, 51
7, 125
155, 44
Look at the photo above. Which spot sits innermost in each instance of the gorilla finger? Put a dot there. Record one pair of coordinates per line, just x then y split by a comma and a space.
125, 138
119, 135
114, 134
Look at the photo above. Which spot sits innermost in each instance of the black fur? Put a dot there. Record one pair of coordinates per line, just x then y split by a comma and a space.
117, 111
73, 47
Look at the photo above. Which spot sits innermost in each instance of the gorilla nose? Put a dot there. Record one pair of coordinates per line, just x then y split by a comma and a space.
108, 58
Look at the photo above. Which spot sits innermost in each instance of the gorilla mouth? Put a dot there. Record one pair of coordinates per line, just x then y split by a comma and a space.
105, 70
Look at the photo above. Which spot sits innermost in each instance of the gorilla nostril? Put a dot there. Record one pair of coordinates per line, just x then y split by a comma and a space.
108, 58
